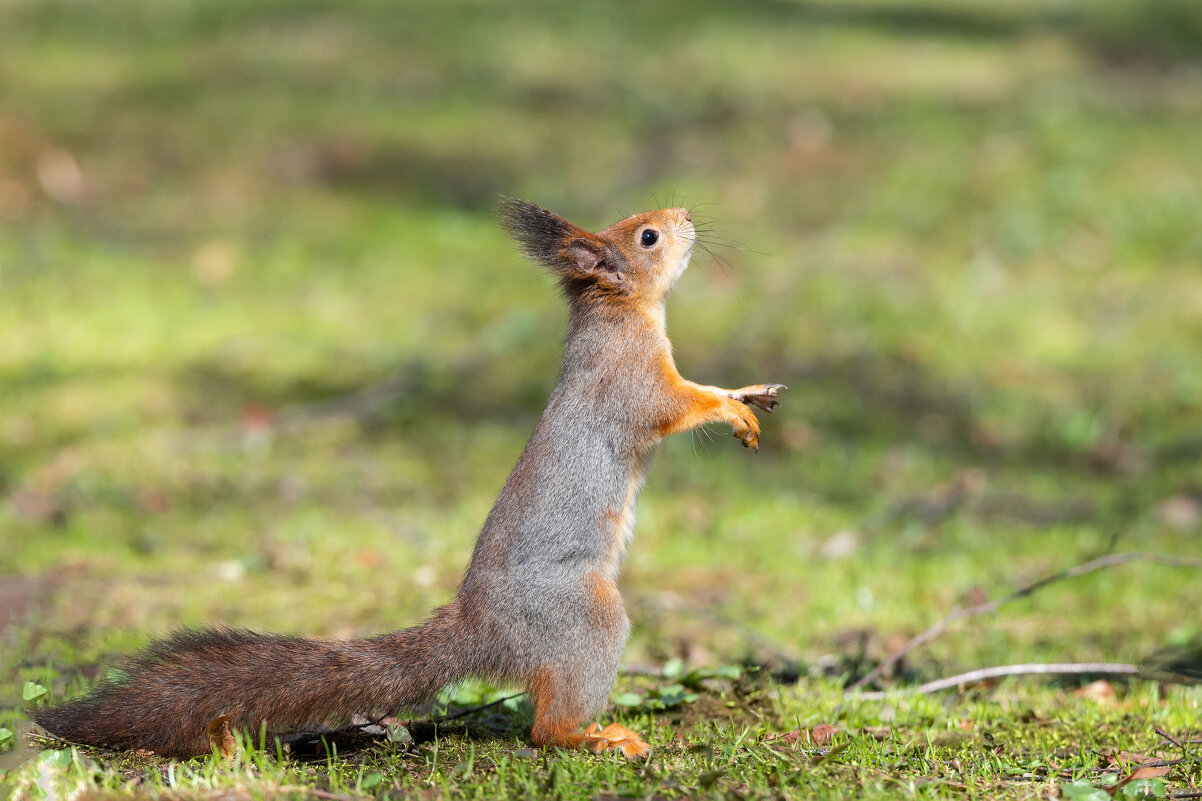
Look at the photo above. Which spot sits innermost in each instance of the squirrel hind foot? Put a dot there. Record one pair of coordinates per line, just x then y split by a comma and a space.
620, 738
597, 740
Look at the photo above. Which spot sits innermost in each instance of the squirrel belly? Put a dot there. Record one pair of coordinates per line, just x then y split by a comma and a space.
538, 605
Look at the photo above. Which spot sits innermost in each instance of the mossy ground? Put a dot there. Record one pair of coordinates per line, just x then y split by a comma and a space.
265, 360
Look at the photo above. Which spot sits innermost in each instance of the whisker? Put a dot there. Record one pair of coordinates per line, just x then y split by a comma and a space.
717, 258
732, 245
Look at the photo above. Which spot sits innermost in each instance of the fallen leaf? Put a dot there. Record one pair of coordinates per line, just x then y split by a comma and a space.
1125, 759
1180, 512
823, 733
60, 176
840, 546
1100, 690
256, 416
1150, 773
221, 739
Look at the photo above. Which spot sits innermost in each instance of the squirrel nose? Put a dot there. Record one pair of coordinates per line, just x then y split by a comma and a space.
688, 217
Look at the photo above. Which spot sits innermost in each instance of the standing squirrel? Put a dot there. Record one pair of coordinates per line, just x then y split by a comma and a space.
538, 605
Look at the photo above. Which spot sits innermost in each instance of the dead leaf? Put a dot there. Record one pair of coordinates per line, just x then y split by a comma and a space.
1180, 512
256, 416
823, 733
1100, 690
840, 546
1125, 759
60, 176
33, 506
220, 737
1150, 773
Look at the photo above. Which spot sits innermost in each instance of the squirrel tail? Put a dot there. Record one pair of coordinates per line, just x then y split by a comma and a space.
164, 699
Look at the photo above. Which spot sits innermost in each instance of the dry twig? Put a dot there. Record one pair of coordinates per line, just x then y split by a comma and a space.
1169, 737
988, 607
1055, 669
474, 709
362, 727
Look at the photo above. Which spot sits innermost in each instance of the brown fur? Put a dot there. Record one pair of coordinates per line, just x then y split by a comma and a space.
538, 604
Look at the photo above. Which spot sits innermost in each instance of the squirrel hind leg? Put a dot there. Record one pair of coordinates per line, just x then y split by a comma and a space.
558, 716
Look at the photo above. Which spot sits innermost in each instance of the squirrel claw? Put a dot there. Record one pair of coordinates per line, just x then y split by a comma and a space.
762, 396
749, 436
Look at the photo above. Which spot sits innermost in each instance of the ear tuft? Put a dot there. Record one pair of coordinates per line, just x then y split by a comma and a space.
549, 239
539, 233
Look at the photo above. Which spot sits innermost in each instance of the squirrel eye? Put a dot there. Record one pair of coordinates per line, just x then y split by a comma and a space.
650, 237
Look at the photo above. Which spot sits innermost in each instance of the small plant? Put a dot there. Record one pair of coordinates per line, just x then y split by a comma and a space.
33, 691
681, 688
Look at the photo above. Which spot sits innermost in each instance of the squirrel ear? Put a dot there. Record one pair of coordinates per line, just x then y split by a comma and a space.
594, 259
586, 255
551, 240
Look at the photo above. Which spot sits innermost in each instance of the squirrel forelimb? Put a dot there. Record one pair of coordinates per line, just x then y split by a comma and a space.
697, 405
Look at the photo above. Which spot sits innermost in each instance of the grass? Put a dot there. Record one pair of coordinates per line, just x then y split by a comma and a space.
971, 252
759, 743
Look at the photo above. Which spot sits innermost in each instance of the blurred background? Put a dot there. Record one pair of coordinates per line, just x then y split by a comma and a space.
266, 358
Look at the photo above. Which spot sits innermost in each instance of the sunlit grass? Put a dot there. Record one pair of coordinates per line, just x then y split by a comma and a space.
967, 241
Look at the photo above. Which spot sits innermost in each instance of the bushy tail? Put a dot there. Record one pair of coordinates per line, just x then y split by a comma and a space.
167, 695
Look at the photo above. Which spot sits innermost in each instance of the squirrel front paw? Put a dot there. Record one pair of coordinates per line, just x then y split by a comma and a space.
761, 395
746, 426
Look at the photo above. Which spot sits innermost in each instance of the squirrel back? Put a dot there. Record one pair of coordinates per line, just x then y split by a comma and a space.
538, 604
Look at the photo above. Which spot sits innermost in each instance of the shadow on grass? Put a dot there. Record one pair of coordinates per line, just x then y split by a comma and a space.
863, 398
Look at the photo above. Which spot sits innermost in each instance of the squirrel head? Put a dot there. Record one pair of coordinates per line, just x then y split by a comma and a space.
637, 259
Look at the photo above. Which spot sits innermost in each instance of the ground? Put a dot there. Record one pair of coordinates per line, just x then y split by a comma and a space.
266, 358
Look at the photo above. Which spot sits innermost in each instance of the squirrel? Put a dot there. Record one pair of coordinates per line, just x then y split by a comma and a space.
538, 605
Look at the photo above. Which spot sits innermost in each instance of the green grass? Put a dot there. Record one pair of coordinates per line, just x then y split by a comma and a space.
972, 252
751, 740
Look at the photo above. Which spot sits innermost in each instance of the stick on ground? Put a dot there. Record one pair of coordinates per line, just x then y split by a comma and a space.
989, 607
1055, 669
